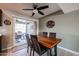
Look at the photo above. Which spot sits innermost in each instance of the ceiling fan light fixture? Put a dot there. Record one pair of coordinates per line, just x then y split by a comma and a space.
35, 11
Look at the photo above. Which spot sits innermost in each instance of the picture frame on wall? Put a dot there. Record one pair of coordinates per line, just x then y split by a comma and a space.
7, 22
50, 24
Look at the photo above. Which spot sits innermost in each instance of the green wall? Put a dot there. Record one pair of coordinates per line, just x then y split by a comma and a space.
66, 27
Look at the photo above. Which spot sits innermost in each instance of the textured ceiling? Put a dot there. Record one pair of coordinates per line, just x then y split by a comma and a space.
17, 8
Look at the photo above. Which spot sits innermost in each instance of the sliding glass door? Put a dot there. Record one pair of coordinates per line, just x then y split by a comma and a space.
20, 32
23, 27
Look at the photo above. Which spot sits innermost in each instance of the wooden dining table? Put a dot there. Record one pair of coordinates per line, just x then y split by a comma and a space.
49, 43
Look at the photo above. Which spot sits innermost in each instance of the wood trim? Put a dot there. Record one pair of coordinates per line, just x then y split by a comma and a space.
0, 17
0, 43
59, 12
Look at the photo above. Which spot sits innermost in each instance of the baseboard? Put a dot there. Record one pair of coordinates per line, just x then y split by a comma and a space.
11, 47
7, 48
68, 50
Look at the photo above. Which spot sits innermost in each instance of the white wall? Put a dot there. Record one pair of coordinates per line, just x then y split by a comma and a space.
6, 31
7, 41
66, 28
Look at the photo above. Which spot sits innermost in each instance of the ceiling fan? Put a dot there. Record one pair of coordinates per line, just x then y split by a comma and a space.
37, 9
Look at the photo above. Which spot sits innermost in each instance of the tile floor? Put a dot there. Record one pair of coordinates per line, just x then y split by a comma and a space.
22, 51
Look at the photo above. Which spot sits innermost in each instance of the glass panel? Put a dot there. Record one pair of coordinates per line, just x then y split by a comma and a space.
20, 31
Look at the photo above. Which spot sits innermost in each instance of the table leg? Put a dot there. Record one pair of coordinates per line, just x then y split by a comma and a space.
48, 52
51, 52
55, 50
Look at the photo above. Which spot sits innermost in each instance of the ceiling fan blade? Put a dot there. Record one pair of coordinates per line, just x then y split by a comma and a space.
40, 12
27, 9
33, 14
43, 7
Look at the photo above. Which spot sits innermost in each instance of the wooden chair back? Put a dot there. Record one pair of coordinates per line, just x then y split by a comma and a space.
45, 34
35, 43
52, 35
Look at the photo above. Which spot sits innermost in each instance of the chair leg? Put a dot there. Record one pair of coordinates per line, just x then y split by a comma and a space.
30, 51
27, 48
33, 52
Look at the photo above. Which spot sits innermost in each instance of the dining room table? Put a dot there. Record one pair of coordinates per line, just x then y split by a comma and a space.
49, 43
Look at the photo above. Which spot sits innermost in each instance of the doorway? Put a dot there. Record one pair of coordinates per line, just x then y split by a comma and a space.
23, 27
20, 31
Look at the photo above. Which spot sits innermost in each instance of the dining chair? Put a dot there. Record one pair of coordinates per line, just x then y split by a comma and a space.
53, 35
37, 47
29, 44
45, 34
